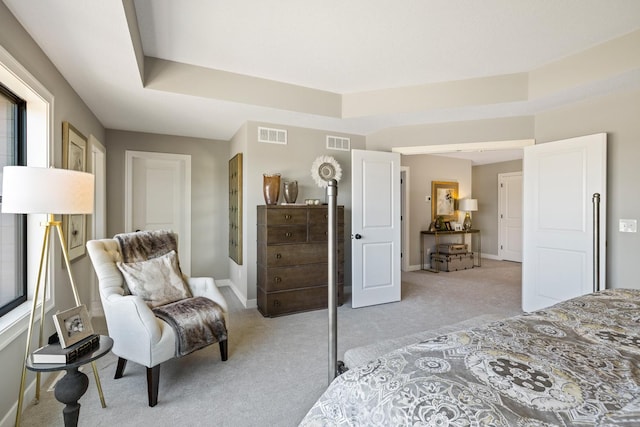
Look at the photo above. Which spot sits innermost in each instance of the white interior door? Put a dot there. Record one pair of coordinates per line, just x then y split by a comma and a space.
560, 179
510, 216
375, 228
158, 197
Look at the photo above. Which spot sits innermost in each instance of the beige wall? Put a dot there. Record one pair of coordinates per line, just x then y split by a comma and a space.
293, 161
617, 115
504, 129
423, 169
209, 189
67, 107
485, 189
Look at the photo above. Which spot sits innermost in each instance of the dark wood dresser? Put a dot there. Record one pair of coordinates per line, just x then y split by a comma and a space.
292, 258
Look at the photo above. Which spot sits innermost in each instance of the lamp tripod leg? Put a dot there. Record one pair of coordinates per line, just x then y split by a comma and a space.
65, 253
43, 254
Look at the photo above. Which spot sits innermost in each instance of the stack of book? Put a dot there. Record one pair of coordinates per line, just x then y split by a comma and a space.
54, 353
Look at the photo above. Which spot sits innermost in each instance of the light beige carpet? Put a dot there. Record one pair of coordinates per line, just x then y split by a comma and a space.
277, 368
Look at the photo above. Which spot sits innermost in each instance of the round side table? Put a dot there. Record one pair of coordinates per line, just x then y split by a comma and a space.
75, 383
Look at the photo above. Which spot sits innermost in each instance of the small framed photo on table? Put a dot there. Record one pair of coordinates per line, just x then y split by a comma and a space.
73, 325
447, 225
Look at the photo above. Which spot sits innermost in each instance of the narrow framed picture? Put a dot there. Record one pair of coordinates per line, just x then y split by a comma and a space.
443, 200
447, 224
73, 325
74, 157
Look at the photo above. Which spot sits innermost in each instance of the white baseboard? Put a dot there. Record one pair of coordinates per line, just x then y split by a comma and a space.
416, 267
247, 303
29, 395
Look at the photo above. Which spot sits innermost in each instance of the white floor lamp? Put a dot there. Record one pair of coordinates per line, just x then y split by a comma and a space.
50, 191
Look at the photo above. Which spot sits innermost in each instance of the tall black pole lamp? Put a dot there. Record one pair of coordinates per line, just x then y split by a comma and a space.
49, 191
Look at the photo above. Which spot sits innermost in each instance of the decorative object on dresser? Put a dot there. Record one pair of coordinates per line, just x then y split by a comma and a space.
292, 258
467, 205
271, 188
290, 189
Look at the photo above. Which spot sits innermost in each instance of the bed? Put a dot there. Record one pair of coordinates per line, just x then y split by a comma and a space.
576, 363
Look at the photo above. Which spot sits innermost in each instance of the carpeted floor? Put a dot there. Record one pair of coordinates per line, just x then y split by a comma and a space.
278, 367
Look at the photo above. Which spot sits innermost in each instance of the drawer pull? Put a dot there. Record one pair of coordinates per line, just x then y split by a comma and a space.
277, 279
278, 256
288, 234
287, 216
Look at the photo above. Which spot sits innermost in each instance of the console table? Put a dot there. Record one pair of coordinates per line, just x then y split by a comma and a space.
476, 243
74, 384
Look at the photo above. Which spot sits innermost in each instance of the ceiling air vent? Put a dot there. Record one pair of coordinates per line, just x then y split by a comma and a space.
338, 143
272, 136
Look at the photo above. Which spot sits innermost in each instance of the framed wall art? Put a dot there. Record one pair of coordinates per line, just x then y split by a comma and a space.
443, 200
74, 157
73, 325
235, 208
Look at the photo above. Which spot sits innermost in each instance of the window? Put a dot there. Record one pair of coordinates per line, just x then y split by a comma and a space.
13, 227
35, 112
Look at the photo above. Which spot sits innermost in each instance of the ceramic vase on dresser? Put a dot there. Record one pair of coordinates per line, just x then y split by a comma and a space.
290, 191
271, 188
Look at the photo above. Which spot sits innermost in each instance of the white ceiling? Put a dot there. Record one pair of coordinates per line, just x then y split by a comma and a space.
337, 46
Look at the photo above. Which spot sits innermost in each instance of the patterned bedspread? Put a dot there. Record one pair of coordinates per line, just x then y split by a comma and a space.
576, 363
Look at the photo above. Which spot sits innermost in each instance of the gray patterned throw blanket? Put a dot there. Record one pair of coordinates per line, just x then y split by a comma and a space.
574, 364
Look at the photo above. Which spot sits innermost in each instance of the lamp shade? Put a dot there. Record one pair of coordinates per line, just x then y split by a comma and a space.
468, 205
31, 190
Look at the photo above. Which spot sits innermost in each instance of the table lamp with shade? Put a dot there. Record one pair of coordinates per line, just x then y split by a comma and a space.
50, 191
467, 205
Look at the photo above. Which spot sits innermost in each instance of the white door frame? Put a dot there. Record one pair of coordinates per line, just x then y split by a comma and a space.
406, 224
185, 237
98, 166
502, 194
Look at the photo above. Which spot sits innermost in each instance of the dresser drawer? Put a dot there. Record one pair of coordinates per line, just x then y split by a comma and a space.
285, 278
282, 234
282, 216
295, 254
287, 302
319, 232
321, 215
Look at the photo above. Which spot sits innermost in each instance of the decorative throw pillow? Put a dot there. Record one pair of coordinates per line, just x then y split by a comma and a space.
157, 281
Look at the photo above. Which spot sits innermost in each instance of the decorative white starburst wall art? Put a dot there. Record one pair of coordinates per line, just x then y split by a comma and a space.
324, 169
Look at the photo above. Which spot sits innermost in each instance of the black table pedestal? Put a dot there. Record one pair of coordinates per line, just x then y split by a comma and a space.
74, 384
68, 391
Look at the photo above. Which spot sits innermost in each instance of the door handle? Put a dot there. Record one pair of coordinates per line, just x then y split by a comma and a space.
357, 236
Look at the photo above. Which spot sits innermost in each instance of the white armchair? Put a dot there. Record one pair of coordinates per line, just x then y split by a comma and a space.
138, 335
